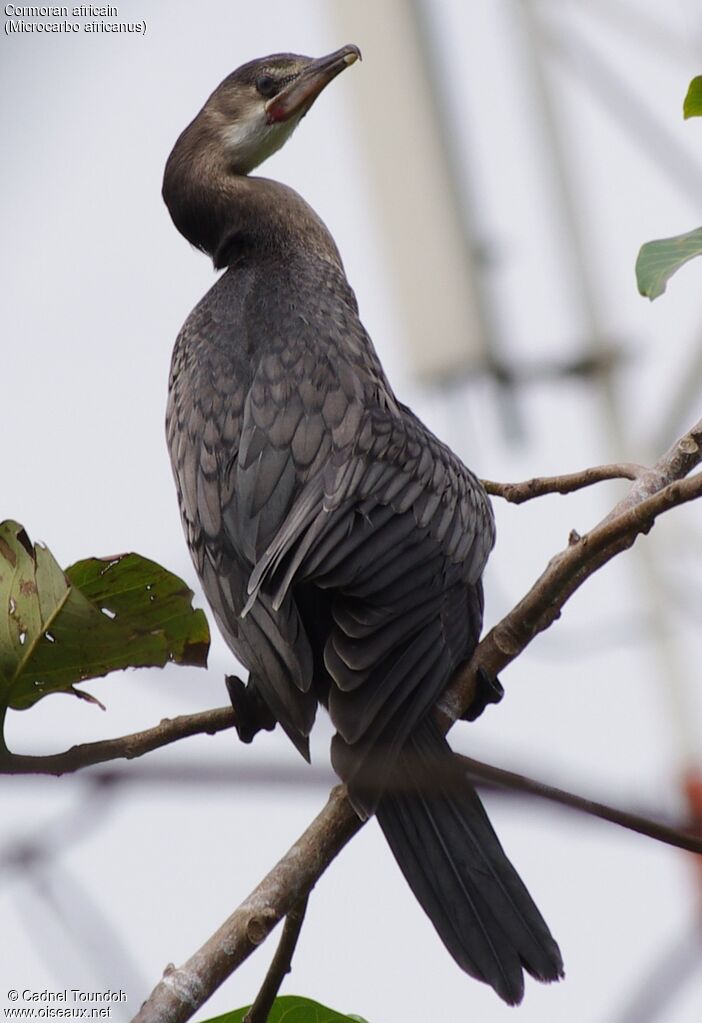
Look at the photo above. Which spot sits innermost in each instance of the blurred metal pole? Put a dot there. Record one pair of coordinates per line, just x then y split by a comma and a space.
635, 22
659, 144
684, 404
671, 664
422, 205
575, 259
629, 109
663, 982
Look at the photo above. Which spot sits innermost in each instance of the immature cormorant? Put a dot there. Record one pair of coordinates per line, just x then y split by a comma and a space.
339, 543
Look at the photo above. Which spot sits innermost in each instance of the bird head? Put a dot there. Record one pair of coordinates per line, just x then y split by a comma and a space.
258, 106
249, 116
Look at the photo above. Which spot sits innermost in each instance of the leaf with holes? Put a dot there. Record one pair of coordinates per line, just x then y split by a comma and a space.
292, 1009
658, 261
58, 628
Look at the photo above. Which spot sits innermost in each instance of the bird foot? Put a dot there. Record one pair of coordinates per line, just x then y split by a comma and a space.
488, 689
251, 715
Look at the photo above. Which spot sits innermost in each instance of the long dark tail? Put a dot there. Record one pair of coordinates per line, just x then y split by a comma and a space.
454, 863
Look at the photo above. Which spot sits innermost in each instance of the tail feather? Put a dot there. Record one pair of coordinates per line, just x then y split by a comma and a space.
458, 871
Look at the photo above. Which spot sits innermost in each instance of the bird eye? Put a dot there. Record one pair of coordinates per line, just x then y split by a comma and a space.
266, 85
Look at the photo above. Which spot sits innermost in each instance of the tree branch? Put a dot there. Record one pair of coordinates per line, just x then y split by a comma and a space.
565, 573
511, 782
281, 964
518, 493
481, 773
126, 747
182, 991
678, 461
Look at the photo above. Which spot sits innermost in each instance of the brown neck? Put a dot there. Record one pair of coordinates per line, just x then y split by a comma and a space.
228, 215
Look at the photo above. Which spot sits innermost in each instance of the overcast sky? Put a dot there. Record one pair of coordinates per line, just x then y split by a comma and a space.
96, 283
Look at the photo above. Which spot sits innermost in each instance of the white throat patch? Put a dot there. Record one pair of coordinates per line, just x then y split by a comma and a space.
251, 140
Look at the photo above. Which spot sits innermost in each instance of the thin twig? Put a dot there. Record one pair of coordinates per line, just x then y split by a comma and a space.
565, 573
512, 782
126, 747
281, 964
246, 776
518, 493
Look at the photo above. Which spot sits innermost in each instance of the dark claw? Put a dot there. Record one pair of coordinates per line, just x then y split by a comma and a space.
251, 715
487, 690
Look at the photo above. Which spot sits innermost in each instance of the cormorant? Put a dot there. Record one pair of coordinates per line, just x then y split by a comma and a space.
339, 543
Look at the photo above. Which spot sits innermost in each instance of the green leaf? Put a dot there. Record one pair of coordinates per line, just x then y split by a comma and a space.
291, 1009
59, 628
692, 107
657, 261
